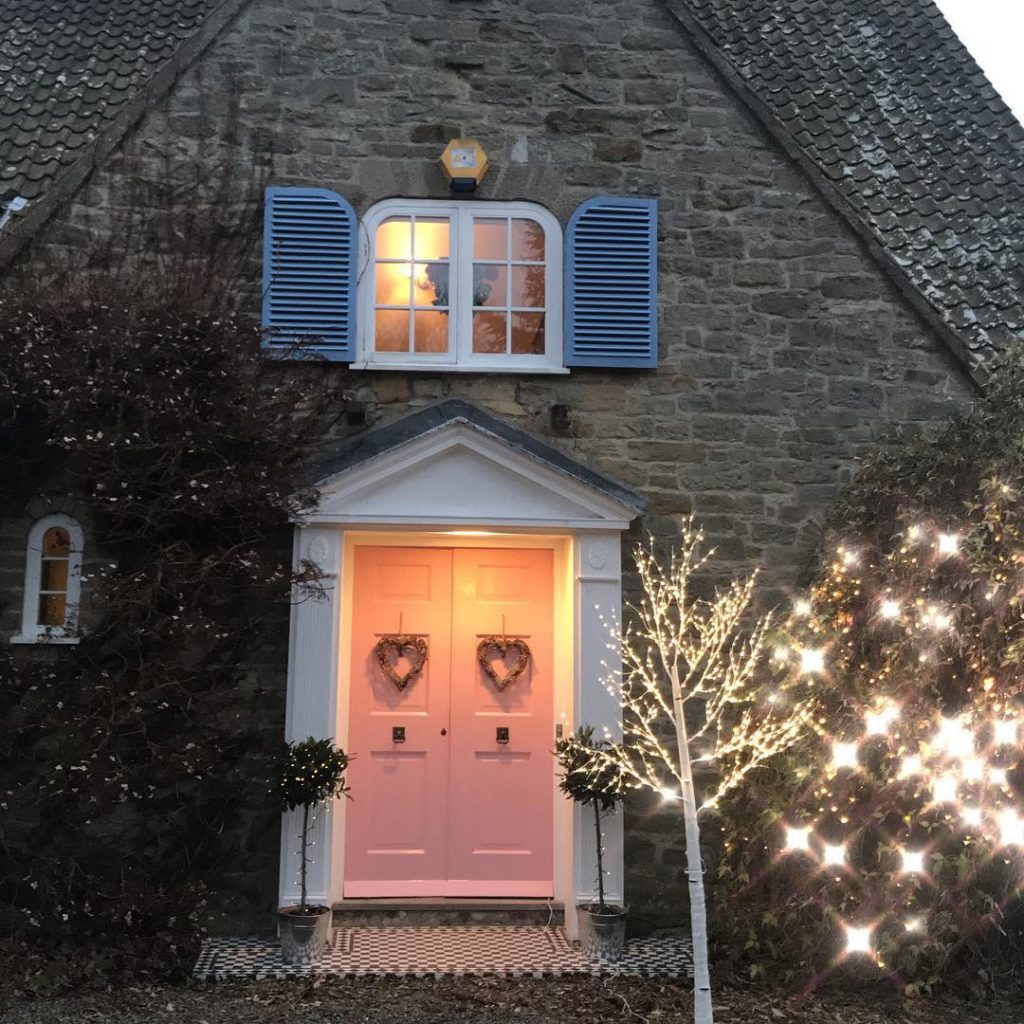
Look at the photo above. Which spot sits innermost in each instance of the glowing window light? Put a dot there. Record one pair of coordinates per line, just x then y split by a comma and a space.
1011, 829
798, 839
949, 543
1004, 732
877, 722
844, 755
802, 607
834, 854
944, 789
890, 609
909, 766
912, 862
914, 924
971, 816
812, 660
858, 940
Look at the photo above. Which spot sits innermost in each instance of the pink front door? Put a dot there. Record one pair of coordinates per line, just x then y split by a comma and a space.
458, 802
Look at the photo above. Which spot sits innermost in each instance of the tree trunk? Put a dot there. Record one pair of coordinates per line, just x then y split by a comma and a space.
302, 869
702, 1011
600, 855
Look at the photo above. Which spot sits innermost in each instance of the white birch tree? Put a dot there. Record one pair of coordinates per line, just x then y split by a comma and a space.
696, 686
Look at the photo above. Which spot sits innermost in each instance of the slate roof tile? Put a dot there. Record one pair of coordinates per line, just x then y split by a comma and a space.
69, 67
923, 153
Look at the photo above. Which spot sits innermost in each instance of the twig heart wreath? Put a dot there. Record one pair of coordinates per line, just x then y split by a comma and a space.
503, 645
392, 648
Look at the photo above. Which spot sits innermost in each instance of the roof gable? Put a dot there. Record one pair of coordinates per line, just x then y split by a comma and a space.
883, 104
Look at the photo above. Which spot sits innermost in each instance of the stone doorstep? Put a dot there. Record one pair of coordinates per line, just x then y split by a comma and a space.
441, 911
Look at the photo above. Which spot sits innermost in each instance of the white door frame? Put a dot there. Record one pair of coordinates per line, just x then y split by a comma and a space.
520, 502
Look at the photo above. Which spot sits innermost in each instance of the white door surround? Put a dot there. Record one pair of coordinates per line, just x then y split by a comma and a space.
460, 484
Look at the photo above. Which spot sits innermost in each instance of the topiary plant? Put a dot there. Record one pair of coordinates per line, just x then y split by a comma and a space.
310, 772
586, 780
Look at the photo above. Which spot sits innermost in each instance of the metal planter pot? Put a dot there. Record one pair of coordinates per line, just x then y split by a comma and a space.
602, 934
304, 934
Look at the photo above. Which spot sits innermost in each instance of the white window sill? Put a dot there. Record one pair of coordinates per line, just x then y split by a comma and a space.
44, 640
463, 368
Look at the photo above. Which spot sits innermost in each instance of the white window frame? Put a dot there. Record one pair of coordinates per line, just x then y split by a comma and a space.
32, 631
460, 357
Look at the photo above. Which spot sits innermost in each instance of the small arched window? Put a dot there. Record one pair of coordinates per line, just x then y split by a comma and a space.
53, 581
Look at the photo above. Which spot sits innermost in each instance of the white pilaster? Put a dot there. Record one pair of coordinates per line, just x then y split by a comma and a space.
598, 575
311, 700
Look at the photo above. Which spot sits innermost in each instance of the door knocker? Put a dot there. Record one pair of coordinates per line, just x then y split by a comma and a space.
503, 646
391, 647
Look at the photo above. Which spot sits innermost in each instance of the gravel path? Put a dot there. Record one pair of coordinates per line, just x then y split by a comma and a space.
478, 1001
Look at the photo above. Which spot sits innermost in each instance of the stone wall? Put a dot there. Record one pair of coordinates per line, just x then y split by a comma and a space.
785, 354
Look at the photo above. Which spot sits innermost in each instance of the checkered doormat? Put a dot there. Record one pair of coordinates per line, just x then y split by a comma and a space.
505, 950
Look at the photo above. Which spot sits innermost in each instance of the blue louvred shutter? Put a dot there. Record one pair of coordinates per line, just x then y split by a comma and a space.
309, 271
611, 284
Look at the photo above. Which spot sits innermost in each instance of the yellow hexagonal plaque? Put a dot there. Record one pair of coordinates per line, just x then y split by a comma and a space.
464, 163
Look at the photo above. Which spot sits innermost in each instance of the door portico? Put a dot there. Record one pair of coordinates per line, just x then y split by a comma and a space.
454, 479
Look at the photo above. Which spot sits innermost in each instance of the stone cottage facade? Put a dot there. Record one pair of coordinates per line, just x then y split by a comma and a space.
837, 254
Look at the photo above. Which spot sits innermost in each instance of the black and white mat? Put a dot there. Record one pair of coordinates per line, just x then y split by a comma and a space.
504, 950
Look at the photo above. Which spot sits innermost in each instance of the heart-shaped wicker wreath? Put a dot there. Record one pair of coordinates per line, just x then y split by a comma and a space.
503, 646
391, 648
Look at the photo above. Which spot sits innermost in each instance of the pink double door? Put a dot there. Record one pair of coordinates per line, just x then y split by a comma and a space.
452, 777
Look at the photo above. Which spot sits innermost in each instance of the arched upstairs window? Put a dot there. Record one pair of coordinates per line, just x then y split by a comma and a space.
53, 582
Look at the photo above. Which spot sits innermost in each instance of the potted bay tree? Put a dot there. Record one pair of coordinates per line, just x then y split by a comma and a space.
310, 774
599, 784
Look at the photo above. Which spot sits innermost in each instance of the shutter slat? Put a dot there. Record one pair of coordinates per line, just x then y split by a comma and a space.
309, 271
611, 284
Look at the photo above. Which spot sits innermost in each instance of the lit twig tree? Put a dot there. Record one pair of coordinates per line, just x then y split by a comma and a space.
696, 686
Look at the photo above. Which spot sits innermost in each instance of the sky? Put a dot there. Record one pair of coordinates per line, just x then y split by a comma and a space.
993, 31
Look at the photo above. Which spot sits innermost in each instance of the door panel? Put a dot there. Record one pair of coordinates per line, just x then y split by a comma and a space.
500, 834
395, 823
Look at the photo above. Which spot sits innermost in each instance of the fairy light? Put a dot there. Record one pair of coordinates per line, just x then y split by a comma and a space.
802, 608
916, 532
890, 609
944, 789
1004, 732
1011, 829
858, 940
997, 776
955, 738
914, 924
948, 544
798, 840
844, 755
877, 723
912, 862
668, 794
972, 769
812, 661
833, 854
971, 816
910, 765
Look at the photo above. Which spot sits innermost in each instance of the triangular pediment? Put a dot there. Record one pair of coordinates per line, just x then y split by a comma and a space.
458, 474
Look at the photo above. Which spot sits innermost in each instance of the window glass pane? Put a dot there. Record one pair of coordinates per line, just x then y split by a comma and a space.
430, 239
393, 288
55, 574
56, 543
490, 285
527, 240
527, 286
431, 280
431, 331
392, 330
51, 609
394, 239
528, 334
489, 239
489, 332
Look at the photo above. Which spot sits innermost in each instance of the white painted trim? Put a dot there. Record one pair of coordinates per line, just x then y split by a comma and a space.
31, 630
588, 597
460, 356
